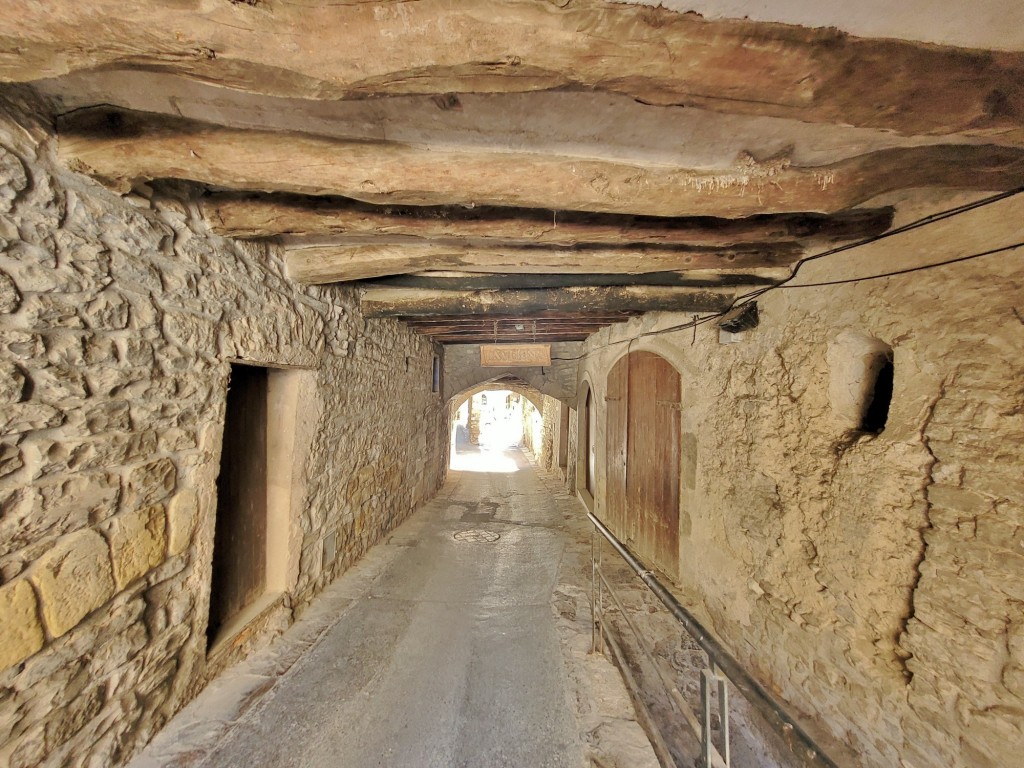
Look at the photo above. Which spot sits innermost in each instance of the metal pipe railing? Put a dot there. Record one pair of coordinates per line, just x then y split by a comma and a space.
802, 745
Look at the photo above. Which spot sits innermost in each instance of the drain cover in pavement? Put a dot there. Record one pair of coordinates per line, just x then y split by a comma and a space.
476, 534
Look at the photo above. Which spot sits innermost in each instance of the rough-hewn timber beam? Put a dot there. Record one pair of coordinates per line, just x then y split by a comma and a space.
379, 302
123, 146
250, 216
607, 317
544, 315
520, 339
331, 264
467, 281
485, 328
318, 51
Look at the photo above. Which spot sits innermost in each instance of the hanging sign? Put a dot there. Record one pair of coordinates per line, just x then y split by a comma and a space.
514, 355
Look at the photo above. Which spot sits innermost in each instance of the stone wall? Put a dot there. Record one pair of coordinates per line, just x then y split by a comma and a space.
118, 319
463, 372
548, 456
875, 581
473, 420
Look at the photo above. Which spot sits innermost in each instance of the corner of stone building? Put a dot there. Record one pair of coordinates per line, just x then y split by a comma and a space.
119, 319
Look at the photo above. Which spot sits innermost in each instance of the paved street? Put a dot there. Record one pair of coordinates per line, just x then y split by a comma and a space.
451, 657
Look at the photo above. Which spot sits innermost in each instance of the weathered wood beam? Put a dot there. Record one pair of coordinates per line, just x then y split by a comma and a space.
546, 316
505, 329
122, 147
380, 302
525, 334
319, 51
338, 263
467, 281
521, 339
249, 216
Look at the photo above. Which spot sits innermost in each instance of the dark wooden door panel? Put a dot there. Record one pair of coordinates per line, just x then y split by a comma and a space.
616, 410
240, 535
643, 436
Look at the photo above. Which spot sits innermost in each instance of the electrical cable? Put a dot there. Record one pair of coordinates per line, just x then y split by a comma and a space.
908, 270
910, 226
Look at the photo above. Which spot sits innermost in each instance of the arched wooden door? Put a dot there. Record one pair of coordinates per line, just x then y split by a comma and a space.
642, 502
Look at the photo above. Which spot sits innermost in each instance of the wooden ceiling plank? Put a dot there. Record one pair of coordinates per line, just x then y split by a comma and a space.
511, 340
122, 148
477, 282
654, 55
254, 216
541, 315
383, 302
329, 264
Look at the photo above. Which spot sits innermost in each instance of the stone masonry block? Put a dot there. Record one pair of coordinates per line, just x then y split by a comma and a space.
73, 579
138, 541
152, 482
182, 513
21, 634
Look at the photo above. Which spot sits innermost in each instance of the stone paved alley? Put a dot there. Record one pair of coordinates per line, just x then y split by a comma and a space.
432, 651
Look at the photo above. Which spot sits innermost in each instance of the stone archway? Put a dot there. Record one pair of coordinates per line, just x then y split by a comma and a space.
505, 382
501, 383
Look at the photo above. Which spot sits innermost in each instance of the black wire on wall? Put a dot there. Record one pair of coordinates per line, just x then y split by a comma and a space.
909, 227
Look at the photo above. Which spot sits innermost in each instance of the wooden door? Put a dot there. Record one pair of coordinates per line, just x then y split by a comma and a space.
615, 452
643, 436
240, 532
652, 460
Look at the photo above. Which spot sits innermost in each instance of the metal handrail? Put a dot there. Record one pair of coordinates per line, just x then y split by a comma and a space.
802, 745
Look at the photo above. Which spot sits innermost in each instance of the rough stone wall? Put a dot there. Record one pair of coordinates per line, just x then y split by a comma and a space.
876, 582
549, 433
473, 421
530, 443
117, 321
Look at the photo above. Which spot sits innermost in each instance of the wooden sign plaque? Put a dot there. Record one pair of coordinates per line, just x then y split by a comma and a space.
514, 355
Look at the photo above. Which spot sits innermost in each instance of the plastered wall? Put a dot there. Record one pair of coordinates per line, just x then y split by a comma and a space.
118, 319
874, 582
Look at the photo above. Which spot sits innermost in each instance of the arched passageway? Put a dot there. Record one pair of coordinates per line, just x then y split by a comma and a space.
642, 455
490, 417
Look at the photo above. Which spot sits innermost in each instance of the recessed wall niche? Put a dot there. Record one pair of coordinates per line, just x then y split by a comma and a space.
862, 372
252, 530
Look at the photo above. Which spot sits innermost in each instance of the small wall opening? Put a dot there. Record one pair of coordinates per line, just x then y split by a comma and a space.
862, 372
876, 412
252, 525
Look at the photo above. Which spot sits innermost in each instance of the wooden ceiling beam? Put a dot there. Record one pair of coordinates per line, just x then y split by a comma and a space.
525, 334
330, 264
468, 281
438, 47
527, 331
509, 340
253, 216
526, 318
383, 302
122, 147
